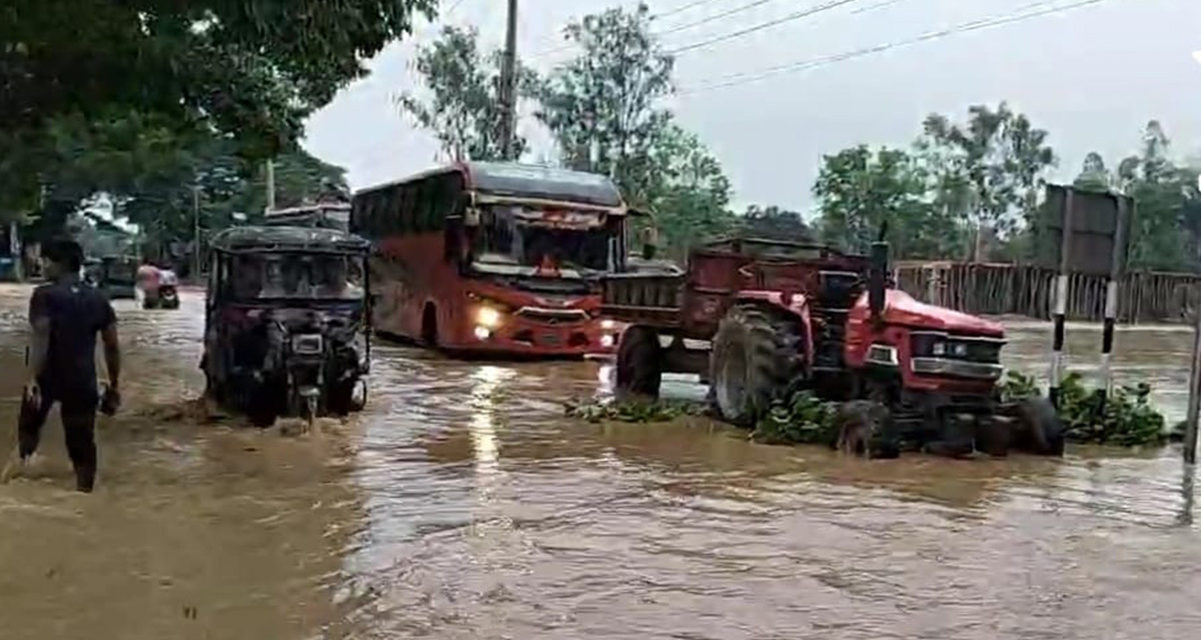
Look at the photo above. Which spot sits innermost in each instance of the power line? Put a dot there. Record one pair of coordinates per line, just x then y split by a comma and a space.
706, 20
878, 5
671, 12
974, 25
833, 4
681, 9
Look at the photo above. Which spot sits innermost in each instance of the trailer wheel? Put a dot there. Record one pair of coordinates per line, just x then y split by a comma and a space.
756, 358
639, 362
1039, 429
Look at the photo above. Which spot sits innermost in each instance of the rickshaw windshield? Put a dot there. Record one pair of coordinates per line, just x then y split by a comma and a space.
308, 276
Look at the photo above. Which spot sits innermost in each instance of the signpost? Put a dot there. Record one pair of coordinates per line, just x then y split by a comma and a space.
1194, 394
1088, 233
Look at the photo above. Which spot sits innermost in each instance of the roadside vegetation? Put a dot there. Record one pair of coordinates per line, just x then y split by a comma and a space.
641, 410
1127, 418
801, 419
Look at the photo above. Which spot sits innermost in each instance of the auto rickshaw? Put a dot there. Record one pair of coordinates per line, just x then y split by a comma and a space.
287, 330
114, 276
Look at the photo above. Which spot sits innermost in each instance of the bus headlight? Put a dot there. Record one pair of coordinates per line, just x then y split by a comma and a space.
487, 317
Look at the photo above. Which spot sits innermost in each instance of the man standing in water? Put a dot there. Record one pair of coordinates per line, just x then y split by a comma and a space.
65, 316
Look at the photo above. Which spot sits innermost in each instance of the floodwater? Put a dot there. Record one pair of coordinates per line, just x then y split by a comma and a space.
463, 505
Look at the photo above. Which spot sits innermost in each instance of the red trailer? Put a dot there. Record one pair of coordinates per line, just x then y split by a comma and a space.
758, 319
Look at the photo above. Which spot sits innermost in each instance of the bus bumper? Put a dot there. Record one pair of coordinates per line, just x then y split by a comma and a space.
543, 341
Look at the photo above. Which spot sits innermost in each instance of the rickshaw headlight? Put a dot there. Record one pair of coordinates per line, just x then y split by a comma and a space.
308, 344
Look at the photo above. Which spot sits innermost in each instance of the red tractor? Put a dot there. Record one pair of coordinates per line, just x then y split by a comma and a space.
758, 319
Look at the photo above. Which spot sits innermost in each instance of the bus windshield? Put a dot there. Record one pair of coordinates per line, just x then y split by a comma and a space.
533, 243
296, 276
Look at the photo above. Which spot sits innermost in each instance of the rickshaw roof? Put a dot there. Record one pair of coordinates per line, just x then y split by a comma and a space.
279, 238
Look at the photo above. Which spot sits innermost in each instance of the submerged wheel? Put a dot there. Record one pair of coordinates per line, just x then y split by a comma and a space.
757, 356
347, 397
639, 362
864, 430
1039, 429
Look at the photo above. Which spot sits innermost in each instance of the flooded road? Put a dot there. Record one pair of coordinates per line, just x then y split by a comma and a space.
462, 504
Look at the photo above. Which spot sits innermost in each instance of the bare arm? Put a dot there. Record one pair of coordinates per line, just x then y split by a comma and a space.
112, 354
39, 345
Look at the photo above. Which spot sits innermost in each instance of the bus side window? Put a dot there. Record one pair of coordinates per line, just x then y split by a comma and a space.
449, 185
392, 210
408, 199
367, 215
356, 212
424, 205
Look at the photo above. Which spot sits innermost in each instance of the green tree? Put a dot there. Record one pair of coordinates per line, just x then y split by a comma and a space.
155, 176
603, 110
602, 106
463, 108
988, 170
776, 223
859, 189
254, 70
1163, 196
685, 187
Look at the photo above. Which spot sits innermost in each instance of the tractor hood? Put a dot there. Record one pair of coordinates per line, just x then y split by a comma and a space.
901, 309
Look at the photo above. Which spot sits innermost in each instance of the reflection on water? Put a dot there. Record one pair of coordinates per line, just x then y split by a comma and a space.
462, 504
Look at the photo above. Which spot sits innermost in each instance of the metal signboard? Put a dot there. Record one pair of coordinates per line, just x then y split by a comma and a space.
1099, 236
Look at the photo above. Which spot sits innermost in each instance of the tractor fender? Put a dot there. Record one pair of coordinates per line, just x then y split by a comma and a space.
795, 305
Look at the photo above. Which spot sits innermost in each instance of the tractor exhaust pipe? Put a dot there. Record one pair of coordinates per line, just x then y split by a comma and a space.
876, 280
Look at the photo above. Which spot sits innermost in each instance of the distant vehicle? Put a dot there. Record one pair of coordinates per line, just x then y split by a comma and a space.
497, 259
286, 323
326, 215
167, 294
114, 276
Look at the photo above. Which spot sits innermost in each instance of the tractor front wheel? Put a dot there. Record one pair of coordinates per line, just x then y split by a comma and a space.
757, 357
1039, 429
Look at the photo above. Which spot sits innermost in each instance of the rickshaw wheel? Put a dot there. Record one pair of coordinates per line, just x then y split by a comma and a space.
341, 399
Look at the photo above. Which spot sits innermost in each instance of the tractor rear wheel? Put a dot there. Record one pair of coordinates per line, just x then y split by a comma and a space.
639, 362
757, 358
1039, 429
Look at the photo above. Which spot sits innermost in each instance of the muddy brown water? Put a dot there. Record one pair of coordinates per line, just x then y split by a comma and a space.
462, 504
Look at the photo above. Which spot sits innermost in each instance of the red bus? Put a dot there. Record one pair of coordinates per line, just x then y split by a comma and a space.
497, 259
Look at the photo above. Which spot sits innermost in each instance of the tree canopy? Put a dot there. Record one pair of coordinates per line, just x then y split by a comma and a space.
250, 69
989, 169
463, 107
603, 105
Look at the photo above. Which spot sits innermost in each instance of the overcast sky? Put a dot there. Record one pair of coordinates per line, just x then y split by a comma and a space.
1091, 76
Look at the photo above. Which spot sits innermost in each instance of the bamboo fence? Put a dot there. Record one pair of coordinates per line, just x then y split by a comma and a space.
1010, 289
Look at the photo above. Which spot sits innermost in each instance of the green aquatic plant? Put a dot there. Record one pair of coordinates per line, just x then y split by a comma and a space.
1017, 386
633, 410
801, 418
1126, 418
